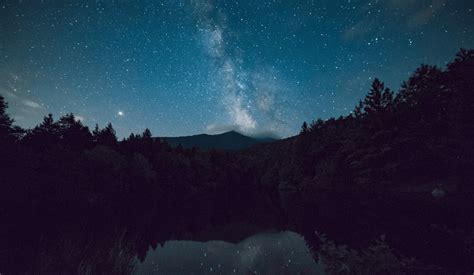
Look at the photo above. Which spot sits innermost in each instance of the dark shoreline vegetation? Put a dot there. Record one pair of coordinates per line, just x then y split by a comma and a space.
401, 165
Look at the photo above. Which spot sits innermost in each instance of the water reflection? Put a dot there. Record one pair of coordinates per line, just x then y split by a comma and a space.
265, 253
221, 232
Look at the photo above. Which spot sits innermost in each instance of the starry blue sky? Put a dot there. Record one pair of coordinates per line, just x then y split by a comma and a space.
194, 66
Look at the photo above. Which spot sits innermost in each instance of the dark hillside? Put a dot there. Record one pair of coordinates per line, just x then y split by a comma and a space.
226, 141
401, 163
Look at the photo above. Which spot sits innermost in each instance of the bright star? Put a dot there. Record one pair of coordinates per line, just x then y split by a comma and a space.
120, 113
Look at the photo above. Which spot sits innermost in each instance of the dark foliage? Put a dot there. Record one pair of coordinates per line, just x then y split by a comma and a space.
416, 138
412, 141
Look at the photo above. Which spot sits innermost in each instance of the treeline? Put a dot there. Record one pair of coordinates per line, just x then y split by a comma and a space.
420, 136
60, 165
415, 139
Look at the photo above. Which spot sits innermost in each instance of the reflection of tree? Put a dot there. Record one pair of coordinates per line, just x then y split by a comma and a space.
377, 258
418, 137
79, 253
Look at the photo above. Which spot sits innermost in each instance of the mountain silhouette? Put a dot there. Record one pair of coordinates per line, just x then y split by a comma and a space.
231, 140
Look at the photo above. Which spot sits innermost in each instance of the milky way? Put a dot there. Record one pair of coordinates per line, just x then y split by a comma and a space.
187, 67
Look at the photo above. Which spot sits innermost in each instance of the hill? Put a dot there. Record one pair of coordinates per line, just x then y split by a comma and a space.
226, 141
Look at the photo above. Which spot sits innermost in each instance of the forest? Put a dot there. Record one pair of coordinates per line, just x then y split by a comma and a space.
407, 143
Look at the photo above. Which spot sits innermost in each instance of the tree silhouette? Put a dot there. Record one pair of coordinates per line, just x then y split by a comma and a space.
378, 99
5, 121
147, 134
48, 125
73, 134
359, 110
420, 87
422, 138
44, 135
106, 136
304, 128
316, 125
96, 132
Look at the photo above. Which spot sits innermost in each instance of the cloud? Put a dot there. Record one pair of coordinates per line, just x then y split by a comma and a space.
215, 129
416, 13
79, 118
18, 118
266, 133
425, 14
401, 4
23, 107
8, 93
8, 90
32, 104
357, 30
15, 77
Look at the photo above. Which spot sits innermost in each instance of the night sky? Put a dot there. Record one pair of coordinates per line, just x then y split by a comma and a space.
194, 66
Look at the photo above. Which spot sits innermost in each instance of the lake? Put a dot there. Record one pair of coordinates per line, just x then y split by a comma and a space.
263, 253
225, 232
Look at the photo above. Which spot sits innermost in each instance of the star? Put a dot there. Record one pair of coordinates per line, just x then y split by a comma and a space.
244, 65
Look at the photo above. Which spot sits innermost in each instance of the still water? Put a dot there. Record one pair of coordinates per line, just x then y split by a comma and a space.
220, 233
228, 232
234, 233
264, 253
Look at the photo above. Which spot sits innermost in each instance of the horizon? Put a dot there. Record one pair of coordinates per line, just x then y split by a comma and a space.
237, 137
192, 67
262, 136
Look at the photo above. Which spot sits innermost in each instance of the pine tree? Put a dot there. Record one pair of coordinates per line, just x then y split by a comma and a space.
5, 120
373, 100
96, 132
45, 134
73, 133
420, 87
147, 134
111, 132
387, 99
304, 128
359, 110
106, 136
378, 100
48, 125
316, 125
